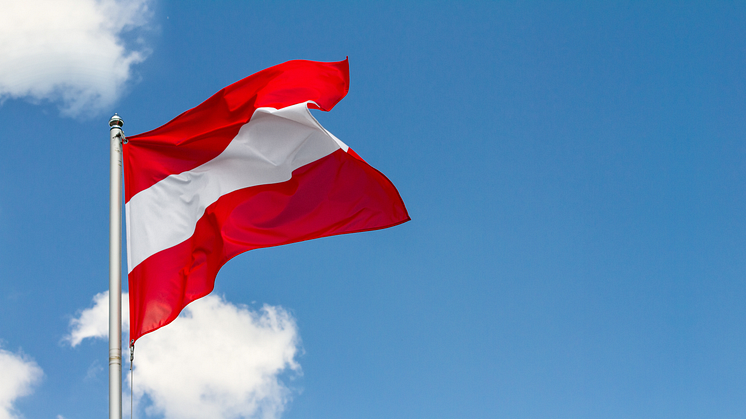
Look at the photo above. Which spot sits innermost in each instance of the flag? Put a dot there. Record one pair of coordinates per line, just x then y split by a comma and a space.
248, 168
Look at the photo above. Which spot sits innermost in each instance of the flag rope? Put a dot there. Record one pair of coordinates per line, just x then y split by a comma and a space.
132, 380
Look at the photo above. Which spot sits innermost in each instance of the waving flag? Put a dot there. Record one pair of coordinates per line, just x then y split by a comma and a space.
248, 168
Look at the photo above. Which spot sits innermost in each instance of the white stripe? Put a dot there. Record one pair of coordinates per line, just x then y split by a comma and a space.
265, 151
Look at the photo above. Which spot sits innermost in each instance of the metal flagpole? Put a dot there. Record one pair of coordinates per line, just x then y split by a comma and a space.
115, 269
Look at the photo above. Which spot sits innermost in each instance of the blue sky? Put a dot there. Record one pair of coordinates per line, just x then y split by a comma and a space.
574, 174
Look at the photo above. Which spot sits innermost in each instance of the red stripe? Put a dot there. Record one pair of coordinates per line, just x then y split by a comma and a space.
335, 195
200, 134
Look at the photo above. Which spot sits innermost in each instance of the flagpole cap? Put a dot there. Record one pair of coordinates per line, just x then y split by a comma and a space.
116, 122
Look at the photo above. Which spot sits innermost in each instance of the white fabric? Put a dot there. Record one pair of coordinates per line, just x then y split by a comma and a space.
266, 150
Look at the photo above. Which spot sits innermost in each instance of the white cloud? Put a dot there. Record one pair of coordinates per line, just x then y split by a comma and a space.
94, 322
94, 370
69, 51
217, 360
19, 374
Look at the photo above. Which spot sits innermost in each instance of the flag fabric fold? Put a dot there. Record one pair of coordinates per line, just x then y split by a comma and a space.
248, 168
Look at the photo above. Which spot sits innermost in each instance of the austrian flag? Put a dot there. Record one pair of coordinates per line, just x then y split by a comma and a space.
248, 168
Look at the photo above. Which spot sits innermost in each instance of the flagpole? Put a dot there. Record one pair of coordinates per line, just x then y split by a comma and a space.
115, 268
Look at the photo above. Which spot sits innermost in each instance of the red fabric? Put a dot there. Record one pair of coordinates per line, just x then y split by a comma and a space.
337, 194
201, 133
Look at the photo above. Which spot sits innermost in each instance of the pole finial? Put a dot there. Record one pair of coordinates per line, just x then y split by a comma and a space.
116, 122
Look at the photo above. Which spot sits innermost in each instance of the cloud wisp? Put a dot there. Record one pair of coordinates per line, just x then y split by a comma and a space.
69, 51
94, 322
19, 374
216, 360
